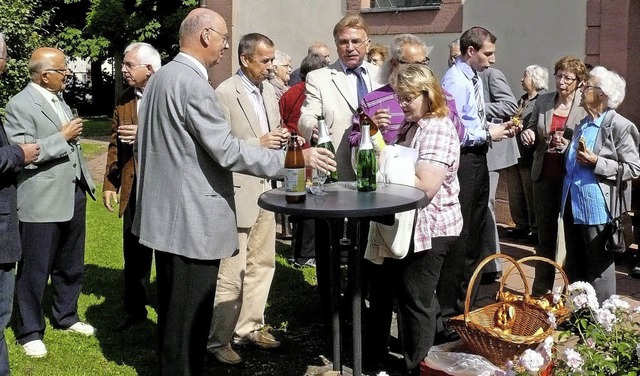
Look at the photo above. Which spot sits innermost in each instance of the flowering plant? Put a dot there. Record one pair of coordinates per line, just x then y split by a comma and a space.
608, 339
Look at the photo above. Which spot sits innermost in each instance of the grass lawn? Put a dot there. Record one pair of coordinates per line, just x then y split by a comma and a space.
133, 352
96, 126
92, 149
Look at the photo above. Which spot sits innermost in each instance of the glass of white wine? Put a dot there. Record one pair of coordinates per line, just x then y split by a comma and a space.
29, 139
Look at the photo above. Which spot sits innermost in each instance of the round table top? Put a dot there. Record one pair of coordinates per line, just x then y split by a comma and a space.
344, 201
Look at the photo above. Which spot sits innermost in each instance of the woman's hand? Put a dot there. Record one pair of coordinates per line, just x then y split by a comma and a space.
382, 118
586, 157
528, 137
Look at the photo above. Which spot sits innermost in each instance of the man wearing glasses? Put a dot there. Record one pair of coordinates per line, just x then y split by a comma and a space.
336, 91
140, 61
52, 200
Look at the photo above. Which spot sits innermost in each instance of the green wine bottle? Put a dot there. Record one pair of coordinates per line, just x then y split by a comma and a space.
367, 163
324, 141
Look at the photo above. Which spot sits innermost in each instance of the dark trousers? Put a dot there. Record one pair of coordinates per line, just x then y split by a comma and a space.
7, 283
547, 196
460, 263
137, 265
53, 249
186, 292
412, 281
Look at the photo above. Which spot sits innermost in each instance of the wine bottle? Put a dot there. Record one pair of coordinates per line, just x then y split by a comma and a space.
376, 136
367, 162
295, 176
324, 141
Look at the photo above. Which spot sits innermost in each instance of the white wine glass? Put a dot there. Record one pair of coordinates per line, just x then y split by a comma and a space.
322, 177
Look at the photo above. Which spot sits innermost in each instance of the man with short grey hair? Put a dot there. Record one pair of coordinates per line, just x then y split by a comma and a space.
318, 48
12, 159
140, 61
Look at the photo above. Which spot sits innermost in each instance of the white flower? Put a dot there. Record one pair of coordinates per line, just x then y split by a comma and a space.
583, 296
614, 303
531, 361
485, 373
574, 360
606, 318
547, 348
557, 294
383, 373
638, 350
551, 319
591, 343
636, 310
508, 370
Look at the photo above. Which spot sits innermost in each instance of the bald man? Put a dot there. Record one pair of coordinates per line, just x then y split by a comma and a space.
52, 202
185, 198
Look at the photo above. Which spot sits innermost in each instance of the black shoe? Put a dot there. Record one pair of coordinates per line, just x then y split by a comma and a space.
517, 233
128, 322
635, 272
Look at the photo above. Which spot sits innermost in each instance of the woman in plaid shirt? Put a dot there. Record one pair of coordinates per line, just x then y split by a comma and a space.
413, 279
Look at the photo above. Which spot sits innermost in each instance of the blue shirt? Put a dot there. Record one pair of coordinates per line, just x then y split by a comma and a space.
587, 201
457, 81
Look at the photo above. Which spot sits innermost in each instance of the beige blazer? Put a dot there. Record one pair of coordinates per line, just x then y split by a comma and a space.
330, 94
239, 111
540, 123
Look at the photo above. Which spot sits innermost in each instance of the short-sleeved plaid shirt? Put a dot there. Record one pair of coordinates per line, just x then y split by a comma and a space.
437, 143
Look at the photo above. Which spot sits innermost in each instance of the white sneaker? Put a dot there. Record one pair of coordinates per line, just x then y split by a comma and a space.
35, 349
82, 328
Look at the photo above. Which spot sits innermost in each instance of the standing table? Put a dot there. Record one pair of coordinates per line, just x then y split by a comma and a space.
344, 201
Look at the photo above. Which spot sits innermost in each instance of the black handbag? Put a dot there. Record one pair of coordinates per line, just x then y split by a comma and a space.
619, 231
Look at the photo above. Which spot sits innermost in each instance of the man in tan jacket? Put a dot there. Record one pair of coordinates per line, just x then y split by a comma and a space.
140, 61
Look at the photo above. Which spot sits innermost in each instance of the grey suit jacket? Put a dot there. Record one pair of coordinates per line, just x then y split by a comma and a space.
616, 143
330, 94
186, 155
500, 102
238, 110
11, 159
45, 194
540, 123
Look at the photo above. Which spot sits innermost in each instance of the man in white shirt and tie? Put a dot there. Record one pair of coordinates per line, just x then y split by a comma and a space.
52, 202
244, 280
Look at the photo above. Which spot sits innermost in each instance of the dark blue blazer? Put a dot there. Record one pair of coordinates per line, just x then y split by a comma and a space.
11, 160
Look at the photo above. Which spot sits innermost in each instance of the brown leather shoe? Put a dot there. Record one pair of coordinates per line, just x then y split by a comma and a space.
226, 355
262, 339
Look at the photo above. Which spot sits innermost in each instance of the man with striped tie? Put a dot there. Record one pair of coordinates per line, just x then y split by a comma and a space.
478, 47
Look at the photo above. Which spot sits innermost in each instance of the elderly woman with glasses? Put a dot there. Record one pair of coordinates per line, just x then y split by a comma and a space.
603, 142
413, 279
552, 115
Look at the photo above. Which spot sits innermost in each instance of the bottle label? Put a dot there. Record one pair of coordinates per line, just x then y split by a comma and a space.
294, 181
324, 139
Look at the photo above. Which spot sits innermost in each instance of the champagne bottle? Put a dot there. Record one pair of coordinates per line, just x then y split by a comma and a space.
376, 136
324, 141
367, 162
295, 176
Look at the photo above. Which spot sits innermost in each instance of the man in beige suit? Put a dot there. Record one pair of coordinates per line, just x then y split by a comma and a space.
251, 108
336, 91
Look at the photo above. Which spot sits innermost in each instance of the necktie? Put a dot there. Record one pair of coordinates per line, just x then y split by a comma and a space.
57, 106
477, 93
362, 85
261, 111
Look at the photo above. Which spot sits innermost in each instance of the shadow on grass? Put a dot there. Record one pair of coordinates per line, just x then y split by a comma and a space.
136, 346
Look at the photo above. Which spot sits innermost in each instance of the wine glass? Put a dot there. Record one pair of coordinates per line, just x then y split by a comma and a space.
322, 177
75, 115
29, 139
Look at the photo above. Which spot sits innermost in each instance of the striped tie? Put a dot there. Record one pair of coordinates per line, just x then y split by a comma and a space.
477, 93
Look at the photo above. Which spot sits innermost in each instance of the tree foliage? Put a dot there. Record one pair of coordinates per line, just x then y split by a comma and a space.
94, 29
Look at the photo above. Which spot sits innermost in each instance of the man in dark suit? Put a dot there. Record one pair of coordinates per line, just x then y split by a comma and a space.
140, 61
186, 208
12, 158
51, 202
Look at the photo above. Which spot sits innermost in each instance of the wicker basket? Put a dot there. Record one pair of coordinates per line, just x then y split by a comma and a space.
560, 309
480, 333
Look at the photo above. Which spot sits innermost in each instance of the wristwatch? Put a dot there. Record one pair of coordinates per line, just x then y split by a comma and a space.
488, 138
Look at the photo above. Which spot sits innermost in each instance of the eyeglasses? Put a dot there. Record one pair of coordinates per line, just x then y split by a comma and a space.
566, 79
62, 71
426, 61
587, 87
129, 66
357, 43
404, 102
225, 38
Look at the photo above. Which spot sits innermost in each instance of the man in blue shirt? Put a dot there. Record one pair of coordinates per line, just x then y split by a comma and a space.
477, 46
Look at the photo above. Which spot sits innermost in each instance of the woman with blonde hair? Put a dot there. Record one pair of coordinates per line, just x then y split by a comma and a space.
413, 279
